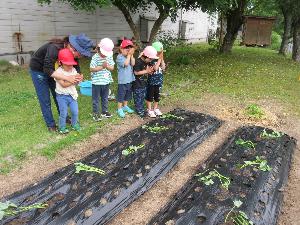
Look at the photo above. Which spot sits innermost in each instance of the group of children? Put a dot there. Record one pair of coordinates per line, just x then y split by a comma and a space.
141, 78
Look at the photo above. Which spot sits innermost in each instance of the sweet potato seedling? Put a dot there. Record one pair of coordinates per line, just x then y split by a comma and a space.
171, 117
240, 217
208, 179
246, 144
83, 167
132, 149
274, 134
259, 163
155, 129
10, 209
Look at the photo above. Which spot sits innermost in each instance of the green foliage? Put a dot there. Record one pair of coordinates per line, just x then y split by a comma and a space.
254, 111
6, 67
274, 134
239, 217
171, 116
83, 167
208, 179
169, 39
275, 41
246, 144
259, 163
10, 209
132, 149
155, 128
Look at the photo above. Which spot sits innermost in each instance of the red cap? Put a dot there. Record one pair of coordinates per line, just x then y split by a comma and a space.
65, 56
126, 43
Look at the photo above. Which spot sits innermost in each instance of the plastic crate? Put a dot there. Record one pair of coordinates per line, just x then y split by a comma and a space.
86, 88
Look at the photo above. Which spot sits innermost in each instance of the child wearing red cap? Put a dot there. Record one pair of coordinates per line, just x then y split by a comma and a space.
66, 93
125, 62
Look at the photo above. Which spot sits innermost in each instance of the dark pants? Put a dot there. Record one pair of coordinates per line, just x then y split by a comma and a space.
152, 93
97, 92
139, 99
124, 92
43, 85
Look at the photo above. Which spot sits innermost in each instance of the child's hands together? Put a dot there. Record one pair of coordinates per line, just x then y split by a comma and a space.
104, 65
150, 69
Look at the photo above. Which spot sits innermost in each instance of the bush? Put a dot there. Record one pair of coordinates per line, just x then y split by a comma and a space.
169, 39
275, 41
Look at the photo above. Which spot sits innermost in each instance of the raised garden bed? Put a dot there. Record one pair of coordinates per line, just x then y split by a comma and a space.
95, 189
241, 183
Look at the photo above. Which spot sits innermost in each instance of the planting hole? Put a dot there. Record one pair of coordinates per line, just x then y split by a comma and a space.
55, 214
201, 218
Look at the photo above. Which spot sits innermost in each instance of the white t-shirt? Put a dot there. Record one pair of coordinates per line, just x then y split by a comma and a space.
71, 90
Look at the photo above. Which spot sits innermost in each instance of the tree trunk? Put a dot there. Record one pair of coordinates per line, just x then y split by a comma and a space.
162, 16
128, 19
287, 31
296, 40
234, 21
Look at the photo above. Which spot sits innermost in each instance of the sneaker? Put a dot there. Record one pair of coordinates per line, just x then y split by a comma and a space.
76, 127
96, 117
127, 109
157, 112
106, 115
151, 114
63, 130
52, 129
121, 113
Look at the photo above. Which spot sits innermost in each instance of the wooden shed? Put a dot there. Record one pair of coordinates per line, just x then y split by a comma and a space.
257, 30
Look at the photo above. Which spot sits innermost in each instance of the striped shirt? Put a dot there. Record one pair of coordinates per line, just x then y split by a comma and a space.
102, 77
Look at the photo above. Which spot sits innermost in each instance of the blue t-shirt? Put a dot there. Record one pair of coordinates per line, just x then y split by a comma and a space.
125, 73
157, 77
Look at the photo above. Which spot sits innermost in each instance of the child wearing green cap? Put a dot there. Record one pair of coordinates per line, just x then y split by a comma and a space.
155, 82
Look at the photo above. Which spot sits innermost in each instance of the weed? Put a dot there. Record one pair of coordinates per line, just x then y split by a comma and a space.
11, 209
254, 111
155, 129
83, 167
208, 179
240, 217
259, 163
274, 134
246, 144
132, 149
171, 117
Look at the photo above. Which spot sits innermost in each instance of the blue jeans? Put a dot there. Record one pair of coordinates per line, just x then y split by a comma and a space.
97, 92
43, 86
139, 99
65, 101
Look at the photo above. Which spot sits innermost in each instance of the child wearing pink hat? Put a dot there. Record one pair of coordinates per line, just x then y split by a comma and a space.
141, 70
101, 65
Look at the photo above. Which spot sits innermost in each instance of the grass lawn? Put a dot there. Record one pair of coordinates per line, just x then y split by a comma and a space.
248, 74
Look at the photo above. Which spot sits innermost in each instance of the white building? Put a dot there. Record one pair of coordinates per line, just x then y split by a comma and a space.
25, 25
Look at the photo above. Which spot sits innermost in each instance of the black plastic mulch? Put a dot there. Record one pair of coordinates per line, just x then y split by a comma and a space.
261, 192
90, 198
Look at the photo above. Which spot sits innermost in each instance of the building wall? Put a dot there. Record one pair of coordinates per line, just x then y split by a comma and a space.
34, 24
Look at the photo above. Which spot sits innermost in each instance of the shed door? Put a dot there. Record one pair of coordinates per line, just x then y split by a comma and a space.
264, 32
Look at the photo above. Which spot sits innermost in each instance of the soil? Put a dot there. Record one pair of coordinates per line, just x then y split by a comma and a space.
139, 212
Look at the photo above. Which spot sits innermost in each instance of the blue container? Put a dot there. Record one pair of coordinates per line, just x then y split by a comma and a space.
86, 88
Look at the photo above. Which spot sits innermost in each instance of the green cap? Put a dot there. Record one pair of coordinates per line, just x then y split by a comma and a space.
158, 46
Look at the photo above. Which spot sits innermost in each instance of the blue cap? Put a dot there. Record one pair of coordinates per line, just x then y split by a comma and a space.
82, 44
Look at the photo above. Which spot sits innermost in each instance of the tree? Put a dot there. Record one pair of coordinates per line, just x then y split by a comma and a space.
166, 8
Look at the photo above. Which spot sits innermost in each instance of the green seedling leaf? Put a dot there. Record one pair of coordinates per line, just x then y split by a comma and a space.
155, 129
240, 217
246, 144
132, 149
237, 203
11, 209
83, 167
274, 134
259, 163
171, 117
208, 179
